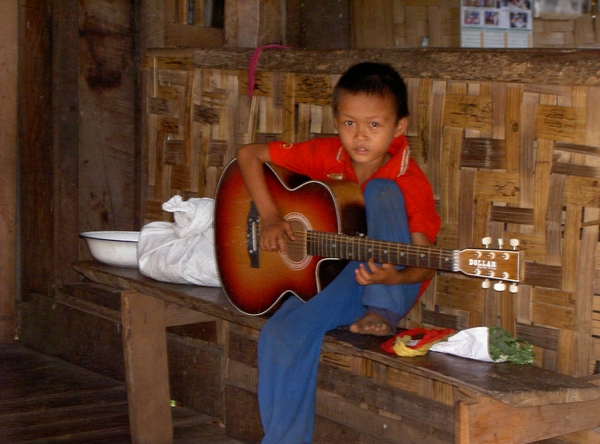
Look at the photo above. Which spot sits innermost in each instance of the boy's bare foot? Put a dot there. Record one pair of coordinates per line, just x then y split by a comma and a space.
371, 324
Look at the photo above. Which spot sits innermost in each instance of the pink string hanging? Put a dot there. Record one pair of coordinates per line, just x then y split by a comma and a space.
254, 63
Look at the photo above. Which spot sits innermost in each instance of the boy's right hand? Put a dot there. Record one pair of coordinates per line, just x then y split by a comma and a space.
274, 231
274, 234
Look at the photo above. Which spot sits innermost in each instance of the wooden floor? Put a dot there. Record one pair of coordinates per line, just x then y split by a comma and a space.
44, 399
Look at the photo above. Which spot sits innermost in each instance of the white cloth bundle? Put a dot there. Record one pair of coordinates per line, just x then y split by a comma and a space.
181, 252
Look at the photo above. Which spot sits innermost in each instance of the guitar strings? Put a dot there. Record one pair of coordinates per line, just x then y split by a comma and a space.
326, 244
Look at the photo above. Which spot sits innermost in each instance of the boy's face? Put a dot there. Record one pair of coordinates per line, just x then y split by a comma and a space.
366, 125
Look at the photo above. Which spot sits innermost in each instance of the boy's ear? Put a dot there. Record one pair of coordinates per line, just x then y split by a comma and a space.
401, 127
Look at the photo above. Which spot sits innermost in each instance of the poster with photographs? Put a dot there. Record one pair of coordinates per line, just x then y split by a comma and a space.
496, 24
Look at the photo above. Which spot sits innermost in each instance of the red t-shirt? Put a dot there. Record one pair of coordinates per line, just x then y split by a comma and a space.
326, 159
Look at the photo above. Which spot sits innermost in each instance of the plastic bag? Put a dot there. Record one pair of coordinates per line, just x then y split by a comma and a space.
470, 343
183, 251
493, 344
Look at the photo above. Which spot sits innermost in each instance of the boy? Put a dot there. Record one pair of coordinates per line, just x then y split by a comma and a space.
371, 116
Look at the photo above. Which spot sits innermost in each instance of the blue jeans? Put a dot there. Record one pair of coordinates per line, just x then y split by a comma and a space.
289, 345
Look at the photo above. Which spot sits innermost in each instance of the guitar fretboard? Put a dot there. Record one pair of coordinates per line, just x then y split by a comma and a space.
342, 246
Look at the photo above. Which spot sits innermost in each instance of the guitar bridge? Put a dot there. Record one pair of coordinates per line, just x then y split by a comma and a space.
252, 233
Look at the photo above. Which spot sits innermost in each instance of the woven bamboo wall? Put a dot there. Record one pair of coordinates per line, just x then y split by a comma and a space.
506, 158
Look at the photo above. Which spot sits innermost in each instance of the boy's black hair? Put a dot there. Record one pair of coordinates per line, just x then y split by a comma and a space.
371, 78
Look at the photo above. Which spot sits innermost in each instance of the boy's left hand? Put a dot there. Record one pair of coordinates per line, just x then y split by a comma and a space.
376, 274
388, 274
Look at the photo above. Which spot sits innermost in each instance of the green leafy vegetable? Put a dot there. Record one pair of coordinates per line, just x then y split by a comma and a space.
504, 347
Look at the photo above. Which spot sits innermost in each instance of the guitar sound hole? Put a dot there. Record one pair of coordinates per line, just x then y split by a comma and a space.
296, 250
297, 257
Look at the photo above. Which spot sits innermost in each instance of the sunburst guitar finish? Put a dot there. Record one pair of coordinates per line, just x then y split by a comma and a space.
328, 219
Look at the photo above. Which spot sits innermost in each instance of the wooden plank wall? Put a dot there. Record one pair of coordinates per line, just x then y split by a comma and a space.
77, 111
509, 141
343, 24
79, 145
105, 84
35, 147
405, 23
8, 168
582, 32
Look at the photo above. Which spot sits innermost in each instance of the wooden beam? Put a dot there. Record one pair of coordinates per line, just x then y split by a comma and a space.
520, 424
151, 30
543, 66
8, 167
177, 34
65, 98
176, 315
35, 148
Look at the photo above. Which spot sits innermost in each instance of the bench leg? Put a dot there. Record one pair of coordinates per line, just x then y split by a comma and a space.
146, 368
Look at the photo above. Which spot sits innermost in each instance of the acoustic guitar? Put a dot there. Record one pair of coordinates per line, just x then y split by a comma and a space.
327, 218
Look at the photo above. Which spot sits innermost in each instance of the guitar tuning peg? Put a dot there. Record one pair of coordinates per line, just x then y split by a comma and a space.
486, 241
500, 243
485, 284
513, 288
514, 243
500, 286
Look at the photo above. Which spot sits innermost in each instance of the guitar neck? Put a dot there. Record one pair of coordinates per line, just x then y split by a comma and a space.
342, 246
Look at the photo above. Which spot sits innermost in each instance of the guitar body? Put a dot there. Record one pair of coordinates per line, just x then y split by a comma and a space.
254, 280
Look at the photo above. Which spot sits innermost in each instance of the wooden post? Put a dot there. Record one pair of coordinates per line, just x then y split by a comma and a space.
66, 117
253, 23
8, 168
146, 368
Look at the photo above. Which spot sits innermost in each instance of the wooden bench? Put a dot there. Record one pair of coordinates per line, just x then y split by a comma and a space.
364, 394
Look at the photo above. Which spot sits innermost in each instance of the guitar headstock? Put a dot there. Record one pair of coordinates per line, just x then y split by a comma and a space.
499, 265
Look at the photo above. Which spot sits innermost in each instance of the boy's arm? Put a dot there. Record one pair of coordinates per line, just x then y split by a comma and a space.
274, 229
387, 273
